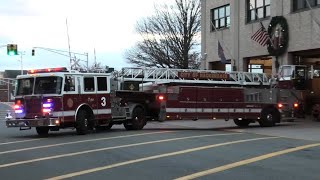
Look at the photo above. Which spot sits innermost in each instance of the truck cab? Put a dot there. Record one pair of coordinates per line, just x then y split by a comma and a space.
56, 98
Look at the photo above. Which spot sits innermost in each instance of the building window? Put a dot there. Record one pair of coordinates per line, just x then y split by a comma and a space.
258, 9
255, 68
220, 17
302, 4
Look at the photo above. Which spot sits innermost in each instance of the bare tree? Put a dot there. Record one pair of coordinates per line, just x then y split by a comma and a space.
169, 37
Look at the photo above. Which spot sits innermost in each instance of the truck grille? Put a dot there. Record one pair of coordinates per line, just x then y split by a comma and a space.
33, 106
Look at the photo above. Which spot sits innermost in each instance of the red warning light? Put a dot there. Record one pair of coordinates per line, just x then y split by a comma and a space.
161, 97
59, 69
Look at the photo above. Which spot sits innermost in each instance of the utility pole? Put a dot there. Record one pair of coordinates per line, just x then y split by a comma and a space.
69, 43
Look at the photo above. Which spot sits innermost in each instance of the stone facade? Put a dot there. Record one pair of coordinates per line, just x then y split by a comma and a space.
304, 33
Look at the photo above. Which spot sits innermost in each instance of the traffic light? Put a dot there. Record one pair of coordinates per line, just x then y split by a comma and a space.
32, 52
12, 49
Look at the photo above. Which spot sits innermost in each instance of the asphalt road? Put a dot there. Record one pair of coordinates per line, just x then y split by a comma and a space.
158, 152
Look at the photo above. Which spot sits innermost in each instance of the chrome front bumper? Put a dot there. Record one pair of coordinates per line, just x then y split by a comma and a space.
41, 122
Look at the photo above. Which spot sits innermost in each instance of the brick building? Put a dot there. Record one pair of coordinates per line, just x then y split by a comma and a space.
235, 21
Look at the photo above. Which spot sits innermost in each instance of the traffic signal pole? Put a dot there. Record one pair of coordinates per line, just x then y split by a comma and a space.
73, 62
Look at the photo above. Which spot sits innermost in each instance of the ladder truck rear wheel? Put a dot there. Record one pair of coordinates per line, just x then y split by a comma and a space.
242, 123
138, 120
269, 117
42, 131
82, 122
128, 126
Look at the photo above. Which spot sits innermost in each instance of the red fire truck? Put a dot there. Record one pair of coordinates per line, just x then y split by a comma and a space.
56, 98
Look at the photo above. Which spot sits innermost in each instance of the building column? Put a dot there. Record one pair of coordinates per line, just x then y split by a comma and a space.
285, 59
203, 63
235, 12
275, 65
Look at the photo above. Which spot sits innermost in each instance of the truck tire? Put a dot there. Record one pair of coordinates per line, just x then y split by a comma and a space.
42, 131
242, 123
82, 122
138, 120
269, 117
128, 126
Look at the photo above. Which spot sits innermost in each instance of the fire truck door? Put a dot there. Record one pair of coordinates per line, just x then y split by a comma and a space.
103, 98
71, 97
89, 93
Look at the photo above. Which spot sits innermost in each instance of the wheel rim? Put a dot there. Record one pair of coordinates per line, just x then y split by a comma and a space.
138, 120
269, 117
86, 122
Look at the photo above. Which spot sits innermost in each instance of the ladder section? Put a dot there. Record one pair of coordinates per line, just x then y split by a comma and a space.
165, 75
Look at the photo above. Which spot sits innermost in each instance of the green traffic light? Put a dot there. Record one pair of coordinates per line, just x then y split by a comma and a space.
12, 49
11, 53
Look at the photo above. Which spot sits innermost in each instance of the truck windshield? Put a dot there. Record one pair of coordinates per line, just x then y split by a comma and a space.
48, 85
43, 85
25, 86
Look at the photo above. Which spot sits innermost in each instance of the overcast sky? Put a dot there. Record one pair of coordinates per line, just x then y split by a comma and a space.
107, 26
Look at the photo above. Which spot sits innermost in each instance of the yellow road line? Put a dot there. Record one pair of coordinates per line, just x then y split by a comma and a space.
14, 142
245, 162
83, 141
153, 157
108, 148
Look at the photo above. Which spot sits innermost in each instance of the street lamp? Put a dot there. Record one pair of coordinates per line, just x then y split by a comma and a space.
21, 53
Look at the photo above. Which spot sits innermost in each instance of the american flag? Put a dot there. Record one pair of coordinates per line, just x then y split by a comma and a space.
261, 36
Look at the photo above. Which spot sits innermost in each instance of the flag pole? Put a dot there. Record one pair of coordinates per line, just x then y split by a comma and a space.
314, 18
223, 44
269, 38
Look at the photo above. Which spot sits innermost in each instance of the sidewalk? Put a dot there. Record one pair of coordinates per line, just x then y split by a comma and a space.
305, 129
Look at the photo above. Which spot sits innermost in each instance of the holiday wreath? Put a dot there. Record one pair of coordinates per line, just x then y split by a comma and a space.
279, 36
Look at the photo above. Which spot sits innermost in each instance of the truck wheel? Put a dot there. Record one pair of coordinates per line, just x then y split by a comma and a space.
269, 117
138, 120
82, 122
242, 123
42, 131
128, 126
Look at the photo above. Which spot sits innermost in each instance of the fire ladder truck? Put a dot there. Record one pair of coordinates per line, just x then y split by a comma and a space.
57, 98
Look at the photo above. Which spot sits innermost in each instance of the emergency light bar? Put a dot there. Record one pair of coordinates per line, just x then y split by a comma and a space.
48, 70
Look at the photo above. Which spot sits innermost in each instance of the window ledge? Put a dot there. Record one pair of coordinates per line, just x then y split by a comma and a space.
220, 29
304, 9
258, 20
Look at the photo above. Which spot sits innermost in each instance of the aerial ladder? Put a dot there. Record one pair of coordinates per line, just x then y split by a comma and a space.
165, 75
